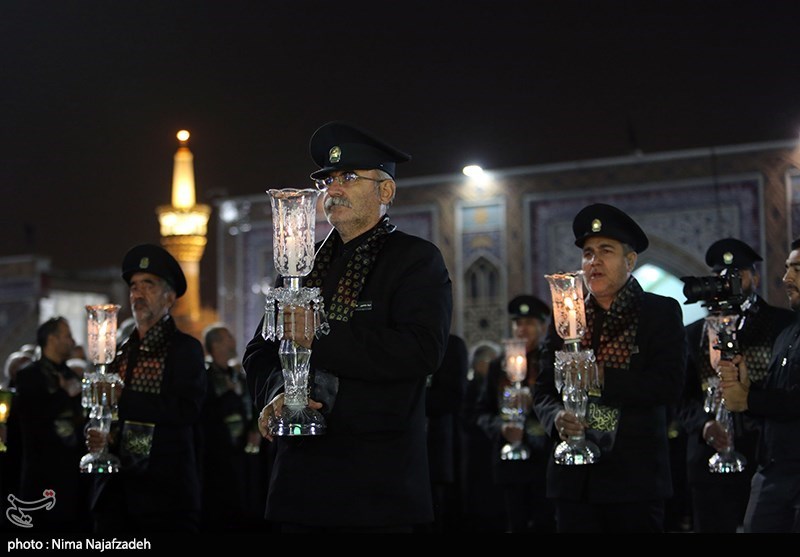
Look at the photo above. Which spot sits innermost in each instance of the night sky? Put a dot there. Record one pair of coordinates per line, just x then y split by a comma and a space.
92, 94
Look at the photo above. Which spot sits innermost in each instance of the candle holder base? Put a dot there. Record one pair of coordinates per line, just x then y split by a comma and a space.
576, 453
515, 451
727, 463
297, 422
100, 463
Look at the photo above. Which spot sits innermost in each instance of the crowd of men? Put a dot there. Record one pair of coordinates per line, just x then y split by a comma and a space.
416, 438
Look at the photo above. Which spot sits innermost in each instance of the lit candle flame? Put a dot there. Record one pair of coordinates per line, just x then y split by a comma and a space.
572, 316
101, 342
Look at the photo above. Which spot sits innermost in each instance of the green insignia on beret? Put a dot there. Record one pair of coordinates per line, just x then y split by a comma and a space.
335, 154
144, 262
727, 258
597, 226
524, 309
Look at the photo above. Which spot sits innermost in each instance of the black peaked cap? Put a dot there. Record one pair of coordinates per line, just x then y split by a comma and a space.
608, 221
732, 253
149, 258
343, 146
525, 305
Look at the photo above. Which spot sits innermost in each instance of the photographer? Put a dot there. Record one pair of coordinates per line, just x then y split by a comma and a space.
775, 489
719, 500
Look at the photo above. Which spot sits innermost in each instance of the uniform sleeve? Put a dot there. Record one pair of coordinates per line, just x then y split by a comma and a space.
262, 365
546, 400
775, 404
487, 409
691, 414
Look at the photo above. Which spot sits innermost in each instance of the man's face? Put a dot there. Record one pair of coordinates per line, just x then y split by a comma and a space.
355, 207
750, 280
791, 279
224, 348
62, 342
150, 299
528, 328
606, 267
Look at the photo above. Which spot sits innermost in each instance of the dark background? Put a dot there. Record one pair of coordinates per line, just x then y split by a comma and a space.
92, 94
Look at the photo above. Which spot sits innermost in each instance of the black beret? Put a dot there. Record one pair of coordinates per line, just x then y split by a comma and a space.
730, 252
528, 306
149, 258
607, 221
342, 146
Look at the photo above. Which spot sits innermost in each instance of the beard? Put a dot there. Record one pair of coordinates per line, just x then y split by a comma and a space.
794, 298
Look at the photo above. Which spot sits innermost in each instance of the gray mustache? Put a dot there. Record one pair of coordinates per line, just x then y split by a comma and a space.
331, 201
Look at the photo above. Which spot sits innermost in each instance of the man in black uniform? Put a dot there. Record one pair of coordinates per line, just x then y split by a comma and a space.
388, 298
640, 345
50, 417
228, 421
163, 370
774, 504
719, 500
443, 402
523, 481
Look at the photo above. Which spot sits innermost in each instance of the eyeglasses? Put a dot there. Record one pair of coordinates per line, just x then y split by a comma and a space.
346, 179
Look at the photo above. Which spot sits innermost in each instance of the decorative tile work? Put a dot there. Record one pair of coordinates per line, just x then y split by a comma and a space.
481, 232
684, 218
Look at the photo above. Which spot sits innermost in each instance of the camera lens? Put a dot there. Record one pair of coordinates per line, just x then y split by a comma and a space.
703, 288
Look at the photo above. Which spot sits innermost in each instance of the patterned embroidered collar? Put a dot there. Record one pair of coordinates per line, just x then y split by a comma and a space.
146, 356
619, 328
359, 264
158, 336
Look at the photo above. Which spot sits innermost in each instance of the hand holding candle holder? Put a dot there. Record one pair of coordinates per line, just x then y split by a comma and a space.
515, 405
293, 222
575, 370
722, 344
103, 387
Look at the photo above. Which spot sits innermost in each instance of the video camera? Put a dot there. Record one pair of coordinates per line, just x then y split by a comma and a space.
718, 294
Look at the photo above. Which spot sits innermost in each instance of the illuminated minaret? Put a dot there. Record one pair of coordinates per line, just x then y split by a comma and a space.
183, 229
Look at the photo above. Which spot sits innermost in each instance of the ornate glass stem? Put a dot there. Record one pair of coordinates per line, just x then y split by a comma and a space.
578, 374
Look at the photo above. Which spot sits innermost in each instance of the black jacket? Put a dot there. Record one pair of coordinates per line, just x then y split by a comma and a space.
51, 424
637, 469
778, 400
371, 466
170, 480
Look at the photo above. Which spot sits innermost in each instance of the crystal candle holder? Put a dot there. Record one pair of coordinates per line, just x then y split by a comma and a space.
293, 224
102, 399
516, 397
575, 370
